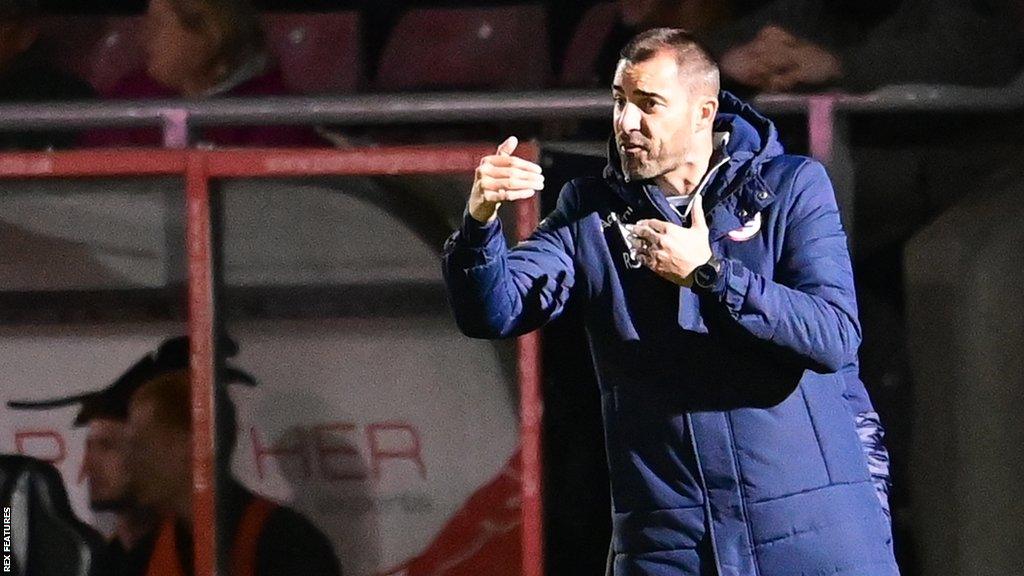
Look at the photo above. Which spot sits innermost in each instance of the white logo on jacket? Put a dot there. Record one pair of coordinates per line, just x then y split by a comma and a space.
747, 231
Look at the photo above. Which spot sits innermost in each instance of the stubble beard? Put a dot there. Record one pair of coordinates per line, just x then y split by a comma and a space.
636, 169
110, 504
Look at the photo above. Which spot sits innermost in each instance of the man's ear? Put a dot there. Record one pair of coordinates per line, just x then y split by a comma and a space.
707, 112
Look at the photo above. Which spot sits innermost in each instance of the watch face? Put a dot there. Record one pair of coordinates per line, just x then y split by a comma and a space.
705, 276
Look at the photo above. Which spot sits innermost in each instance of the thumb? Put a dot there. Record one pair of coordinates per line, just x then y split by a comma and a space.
507, 147
697, 212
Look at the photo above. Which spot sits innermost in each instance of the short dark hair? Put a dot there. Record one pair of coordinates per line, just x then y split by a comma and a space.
237, 20
171, 395
692, 57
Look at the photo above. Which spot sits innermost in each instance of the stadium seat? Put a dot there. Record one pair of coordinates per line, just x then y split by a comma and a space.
119, 53
580, 61
48, 538
318, 53
467, 48
99, 50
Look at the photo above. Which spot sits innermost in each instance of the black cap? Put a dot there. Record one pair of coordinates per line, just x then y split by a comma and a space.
112, 401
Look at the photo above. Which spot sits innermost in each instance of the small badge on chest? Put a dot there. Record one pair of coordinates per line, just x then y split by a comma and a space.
747, 231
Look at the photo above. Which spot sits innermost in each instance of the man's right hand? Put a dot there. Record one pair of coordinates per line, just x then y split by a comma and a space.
500, 178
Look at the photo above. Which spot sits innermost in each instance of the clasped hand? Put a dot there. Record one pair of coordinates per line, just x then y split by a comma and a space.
674, 252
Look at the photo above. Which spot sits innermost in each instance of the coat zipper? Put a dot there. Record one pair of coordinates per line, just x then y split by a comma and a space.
704, 184
699, 190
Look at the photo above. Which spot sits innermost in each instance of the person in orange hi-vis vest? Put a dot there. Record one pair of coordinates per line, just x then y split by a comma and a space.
263, 538
104, 413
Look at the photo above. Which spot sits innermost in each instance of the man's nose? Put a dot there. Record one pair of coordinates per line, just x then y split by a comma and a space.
629, 119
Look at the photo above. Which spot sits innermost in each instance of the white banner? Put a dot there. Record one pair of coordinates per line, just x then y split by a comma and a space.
378, 431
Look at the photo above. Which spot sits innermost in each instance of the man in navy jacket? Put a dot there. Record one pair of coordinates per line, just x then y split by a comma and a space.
719, 302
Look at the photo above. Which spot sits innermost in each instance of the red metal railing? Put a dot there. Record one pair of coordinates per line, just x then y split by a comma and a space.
199, 168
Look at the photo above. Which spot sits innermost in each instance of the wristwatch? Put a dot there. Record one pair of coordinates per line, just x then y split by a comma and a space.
706, 275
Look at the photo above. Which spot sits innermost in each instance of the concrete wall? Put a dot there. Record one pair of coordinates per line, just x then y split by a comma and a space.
965, 316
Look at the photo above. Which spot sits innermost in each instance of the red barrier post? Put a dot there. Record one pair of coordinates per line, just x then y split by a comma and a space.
199, 246
531, 410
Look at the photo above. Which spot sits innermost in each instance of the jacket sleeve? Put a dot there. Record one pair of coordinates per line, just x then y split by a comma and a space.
810, 306
496, 292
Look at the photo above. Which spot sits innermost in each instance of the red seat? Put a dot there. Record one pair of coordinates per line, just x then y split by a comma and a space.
579, 67
99, 50
120, 52
318, 53
467, 48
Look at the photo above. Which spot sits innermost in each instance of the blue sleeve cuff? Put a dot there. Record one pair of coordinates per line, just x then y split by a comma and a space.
731, 291
476, 234
474, 243
721, 285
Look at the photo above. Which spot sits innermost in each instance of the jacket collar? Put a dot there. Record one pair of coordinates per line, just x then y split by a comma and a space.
736, 191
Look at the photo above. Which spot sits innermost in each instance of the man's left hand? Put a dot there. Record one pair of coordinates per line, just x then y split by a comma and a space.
674, 252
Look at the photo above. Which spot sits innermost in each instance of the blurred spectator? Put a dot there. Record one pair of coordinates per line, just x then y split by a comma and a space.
811, 44
262, 538
785, 45
200, 49
26, 75
103, 463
